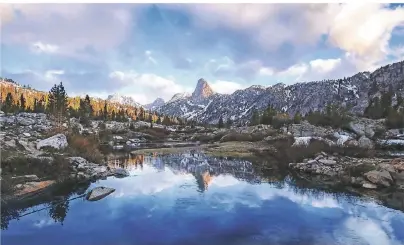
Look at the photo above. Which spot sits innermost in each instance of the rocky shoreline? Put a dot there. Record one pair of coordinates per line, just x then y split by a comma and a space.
351, 155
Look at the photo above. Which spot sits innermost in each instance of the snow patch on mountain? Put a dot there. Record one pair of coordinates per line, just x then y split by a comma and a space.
124, 100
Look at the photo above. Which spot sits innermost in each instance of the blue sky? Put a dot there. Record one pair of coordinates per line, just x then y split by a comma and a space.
148, 51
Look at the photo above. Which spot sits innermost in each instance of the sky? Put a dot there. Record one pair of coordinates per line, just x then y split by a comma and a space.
147, 50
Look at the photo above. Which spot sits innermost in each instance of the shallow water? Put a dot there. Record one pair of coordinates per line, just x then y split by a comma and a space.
194, 199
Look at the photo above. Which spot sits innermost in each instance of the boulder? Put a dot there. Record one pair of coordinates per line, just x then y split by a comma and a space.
398, 164
305, 129
357, 127
120, 172
99, 193
58, 141
26, 134
368, 185
365, 142
381, 178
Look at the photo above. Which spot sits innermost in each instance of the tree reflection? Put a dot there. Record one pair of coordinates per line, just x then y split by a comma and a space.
58, 211
56, 200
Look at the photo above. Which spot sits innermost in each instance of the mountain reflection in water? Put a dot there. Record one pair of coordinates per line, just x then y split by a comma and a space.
194, 199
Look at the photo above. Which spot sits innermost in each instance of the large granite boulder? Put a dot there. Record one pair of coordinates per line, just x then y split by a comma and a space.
58, 141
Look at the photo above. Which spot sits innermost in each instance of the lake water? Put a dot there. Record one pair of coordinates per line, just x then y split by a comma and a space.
194, 199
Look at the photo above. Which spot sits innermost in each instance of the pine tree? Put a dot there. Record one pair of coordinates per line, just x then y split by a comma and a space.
166, 121
105, 111
297, 118
255, 117
228, 123
57, 104
8, 104
220, 124
22, 103
113, 115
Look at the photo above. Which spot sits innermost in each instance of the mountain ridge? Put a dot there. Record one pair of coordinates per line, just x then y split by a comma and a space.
352, 92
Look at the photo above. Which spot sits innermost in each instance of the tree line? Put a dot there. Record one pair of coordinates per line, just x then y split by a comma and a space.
59, 106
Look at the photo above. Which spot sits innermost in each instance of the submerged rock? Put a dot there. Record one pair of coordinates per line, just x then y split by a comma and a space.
58, 141
99, 193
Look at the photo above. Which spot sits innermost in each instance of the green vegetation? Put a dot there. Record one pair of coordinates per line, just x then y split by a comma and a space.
333, 116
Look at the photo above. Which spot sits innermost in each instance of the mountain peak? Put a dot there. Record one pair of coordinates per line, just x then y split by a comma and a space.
155, 104
202, 90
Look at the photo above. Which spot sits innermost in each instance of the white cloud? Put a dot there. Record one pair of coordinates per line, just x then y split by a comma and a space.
364, 30
324, 66
225, 87
146, 87
296, 70
39, 47
266, 71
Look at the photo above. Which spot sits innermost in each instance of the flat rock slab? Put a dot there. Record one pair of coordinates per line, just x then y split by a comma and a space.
99, 193
32, 187
327, 161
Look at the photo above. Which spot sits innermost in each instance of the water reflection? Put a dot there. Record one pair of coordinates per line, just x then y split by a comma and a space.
194, 199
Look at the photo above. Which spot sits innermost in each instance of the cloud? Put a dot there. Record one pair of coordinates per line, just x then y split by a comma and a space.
150, 85
364, 30
324, 66
72, 27
226, 87
279, 35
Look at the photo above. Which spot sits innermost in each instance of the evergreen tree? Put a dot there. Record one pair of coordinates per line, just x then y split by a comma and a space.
8, 104
221, 123
141, 114
255, 117
57, 103
158, 120
229, 122
105, 111
113, 115
297, 118
166, 121
22, 103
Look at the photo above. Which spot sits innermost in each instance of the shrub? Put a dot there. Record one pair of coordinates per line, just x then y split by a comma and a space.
288, 153
41, 167
156, 132
85, 146
236, 137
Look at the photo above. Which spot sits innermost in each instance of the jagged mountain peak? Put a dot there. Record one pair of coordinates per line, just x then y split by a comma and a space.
202, 90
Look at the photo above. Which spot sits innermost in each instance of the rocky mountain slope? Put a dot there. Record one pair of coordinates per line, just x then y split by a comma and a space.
206, 106
155, 104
